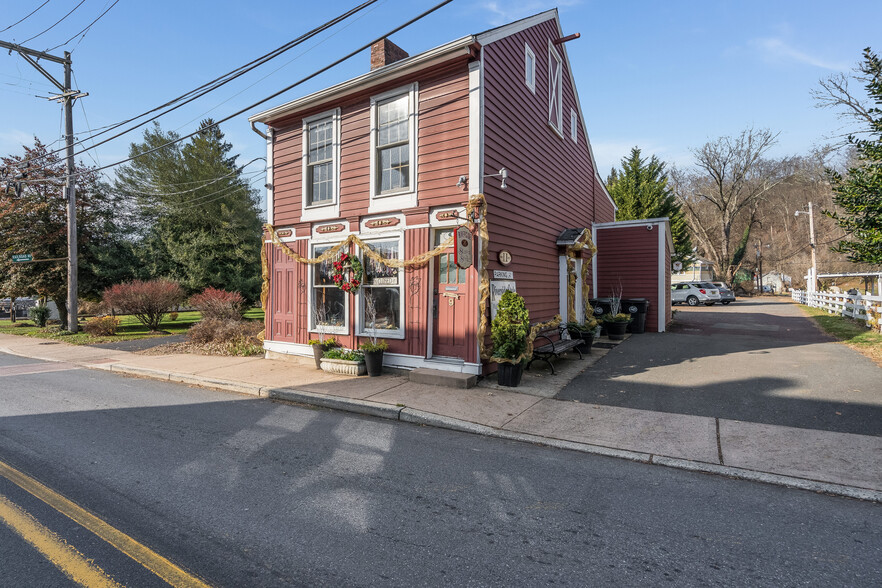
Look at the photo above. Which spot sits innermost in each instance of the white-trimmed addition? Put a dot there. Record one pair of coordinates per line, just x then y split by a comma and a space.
320, 183
529, 68
386, 136
555, 90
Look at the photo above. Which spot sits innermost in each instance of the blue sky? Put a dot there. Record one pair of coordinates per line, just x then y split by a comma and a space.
664, 76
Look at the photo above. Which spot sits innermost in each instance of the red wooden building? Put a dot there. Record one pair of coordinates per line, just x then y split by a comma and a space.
394, 156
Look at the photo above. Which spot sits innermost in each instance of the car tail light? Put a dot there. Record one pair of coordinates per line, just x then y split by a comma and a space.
702, 290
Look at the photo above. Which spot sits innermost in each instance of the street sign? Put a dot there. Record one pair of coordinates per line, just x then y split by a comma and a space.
19, 257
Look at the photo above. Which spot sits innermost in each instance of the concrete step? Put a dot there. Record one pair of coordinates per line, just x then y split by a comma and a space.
442, 378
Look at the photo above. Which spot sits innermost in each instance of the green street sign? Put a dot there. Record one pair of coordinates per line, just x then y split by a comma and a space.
19, 257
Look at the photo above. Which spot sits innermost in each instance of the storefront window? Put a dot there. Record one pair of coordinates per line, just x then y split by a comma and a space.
381, 290
328, 301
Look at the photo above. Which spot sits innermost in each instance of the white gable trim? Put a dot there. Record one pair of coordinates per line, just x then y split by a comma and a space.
508, 30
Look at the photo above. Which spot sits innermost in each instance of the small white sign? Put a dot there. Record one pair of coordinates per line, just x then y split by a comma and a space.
497, 289
678, 266
502, 275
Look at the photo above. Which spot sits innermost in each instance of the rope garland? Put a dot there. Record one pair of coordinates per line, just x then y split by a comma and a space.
584, 241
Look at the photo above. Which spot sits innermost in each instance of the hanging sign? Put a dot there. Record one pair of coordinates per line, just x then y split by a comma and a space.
462, 255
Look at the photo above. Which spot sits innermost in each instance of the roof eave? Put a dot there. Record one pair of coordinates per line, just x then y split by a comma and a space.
376, 77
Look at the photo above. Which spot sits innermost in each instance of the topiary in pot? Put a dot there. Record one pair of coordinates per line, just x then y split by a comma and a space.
509, 332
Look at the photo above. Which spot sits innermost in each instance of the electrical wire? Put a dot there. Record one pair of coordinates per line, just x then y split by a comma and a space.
26, 17
275, 94
54, 25
220, 81
85, 30
204, 184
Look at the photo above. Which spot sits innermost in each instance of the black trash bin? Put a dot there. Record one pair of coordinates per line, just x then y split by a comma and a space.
601, 306
637, 308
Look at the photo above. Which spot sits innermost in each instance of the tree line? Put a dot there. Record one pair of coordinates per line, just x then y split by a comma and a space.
186, 212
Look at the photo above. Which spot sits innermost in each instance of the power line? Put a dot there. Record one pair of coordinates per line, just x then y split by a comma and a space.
206, 182
54, 25
26, 17
275, 94
219, 81
85, 30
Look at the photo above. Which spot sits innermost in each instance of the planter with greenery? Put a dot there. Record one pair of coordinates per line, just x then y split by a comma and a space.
344, 361
373, 355
616, 325
509, 332
584, 331
319, 346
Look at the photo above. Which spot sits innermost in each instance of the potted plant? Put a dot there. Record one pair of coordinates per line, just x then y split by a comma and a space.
616, 325
338, 360
509, 332
584, 331
319, 347
374, 348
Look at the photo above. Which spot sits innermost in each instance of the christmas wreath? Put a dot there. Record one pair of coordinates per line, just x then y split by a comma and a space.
347, 273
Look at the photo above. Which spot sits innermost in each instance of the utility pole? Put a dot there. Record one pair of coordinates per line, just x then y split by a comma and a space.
812, 244
67, 96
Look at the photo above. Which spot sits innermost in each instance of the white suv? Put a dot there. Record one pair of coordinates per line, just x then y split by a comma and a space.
695, 293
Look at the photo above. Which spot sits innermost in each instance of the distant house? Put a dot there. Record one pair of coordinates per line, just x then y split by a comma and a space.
777, 282
700, 270
399, 157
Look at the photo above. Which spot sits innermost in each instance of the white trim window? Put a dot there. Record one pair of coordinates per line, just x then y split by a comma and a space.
529, 68
555, 90
382, 284
393, 149
329, 305
574, 126
321, 164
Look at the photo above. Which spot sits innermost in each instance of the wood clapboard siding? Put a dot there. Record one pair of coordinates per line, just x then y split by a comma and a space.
551, 185
630, 259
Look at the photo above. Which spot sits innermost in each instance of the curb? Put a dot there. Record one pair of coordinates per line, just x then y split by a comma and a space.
420, 417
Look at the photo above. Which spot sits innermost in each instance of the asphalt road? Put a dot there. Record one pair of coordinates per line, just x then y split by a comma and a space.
246, 492
757, 360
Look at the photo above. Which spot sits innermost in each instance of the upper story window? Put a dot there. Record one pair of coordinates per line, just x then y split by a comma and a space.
529, 68
574, 125
393, 149
321, 159
555, 90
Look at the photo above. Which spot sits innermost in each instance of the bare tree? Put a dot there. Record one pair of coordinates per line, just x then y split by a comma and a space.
722, 195
833, 92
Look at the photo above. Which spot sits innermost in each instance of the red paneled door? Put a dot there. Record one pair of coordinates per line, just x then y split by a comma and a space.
284, 290
450, 304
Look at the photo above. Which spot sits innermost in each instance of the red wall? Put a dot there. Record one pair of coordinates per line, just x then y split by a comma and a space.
551, 185
628, 257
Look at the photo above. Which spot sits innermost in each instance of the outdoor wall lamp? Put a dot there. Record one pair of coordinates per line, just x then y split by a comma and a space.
503, 173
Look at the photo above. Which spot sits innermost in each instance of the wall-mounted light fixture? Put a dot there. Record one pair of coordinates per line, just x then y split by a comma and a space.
503, 173
462, 182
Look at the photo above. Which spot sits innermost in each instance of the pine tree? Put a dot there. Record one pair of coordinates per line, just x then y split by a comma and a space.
641, 191
859, 192
198, 214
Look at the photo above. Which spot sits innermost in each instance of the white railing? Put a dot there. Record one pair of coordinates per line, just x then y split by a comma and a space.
856, 306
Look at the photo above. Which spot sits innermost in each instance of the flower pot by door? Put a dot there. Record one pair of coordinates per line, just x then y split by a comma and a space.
509, 374
587, 338
374, 362
615, 330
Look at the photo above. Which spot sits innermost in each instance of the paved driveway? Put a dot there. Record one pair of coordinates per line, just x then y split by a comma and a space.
758, 360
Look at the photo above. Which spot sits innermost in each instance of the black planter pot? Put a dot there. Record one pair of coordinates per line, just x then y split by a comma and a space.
615, 330
509, 374
318, 351
586, 336
373, 361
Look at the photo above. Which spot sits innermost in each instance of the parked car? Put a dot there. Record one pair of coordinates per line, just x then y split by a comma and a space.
726, 293
695, 293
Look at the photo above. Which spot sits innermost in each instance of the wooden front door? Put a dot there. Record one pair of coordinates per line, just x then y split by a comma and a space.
450, 304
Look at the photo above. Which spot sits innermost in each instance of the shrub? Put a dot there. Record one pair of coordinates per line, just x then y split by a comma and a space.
347, 354
215, 303
510, 327
172, 316
147, 301
90, 307
40, 315
101, 325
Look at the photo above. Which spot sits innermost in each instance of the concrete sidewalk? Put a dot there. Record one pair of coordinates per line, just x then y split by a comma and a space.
836, 463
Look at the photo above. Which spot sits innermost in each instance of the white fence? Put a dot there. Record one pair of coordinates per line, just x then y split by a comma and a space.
856, 306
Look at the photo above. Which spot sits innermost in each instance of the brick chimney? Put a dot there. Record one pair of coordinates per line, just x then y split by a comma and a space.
384, 52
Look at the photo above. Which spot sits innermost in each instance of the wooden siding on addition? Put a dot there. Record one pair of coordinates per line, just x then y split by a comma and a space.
628, 260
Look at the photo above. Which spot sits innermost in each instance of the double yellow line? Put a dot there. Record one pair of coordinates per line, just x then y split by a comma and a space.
66, 558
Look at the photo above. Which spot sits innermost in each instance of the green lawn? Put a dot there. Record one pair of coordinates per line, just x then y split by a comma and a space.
129, 328
855, 334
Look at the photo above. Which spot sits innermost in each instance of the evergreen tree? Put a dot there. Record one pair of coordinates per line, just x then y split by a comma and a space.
198, 215
641, 191
859, 192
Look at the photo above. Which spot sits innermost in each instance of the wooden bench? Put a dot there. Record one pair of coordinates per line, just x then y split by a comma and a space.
549, 343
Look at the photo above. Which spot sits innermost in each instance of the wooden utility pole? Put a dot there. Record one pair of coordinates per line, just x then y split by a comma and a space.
67, 96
